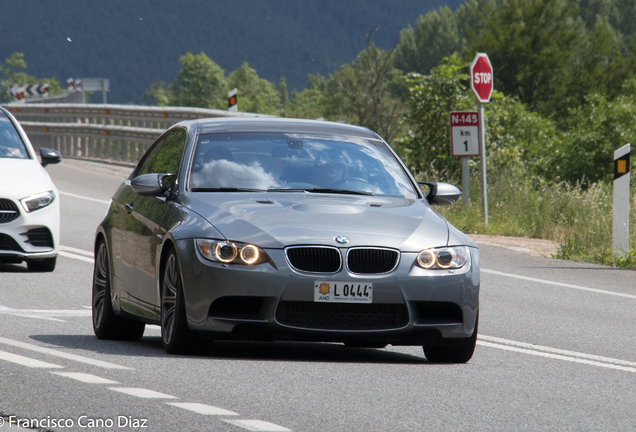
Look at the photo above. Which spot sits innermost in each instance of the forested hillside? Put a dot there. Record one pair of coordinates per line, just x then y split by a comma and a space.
564, 100
137, 42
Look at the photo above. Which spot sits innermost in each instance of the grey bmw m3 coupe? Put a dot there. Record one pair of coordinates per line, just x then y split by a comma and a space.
283, 229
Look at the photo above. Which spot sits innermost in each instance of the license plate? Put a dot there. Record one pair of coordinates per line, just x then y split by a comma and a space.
343, 292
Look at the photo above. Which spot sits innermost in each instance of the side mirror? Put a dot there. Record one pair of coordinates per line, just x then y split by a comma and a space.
152, 184
49, 156
441, 193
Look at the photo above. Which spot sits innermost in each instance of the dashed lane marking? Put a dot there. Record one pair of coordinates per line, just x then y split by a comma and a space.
76, 251
561, 284
85, 378
203, 409
142, 393
84, 197
61, 354
26, 361
76, 257
258, 425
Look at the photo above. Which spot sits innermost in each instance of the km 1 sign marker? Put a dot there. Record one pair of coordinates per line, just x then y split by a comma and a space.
464, 142
481, 81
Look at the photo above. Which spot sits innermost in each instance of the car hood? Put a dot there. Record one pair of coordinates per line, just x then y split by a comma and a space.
276, 220
20, 178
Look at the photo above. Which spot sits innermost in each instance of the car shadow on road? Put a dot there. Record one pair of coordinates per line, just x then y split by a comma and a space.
13, 268
150, 346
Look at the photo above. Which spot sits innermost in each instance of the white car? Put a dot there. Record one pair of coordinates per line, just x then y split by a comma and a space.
29, 204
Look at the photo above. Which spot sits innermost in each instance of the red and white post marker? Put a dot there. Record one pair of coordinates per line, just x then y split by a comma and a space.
481, 78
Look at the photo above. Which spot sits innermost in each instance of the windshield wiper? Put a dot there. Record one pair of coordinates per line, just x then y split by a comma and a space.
339, 191
324, 190
226, 189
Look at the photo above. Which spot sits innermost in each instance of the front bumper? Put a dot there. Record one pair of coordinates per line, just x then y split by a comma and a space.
271, 301
32, 235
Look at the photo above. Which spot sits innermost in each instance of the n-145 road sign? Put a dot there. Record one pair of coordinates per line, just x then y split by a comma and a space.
464, 133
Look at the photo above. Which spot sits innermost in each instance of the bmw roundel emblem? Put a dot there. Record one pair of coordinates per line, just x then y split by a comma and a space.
342, 239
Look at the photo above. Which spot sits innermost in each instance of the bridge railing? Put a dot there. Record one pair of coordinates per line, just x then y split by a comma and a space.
115, 133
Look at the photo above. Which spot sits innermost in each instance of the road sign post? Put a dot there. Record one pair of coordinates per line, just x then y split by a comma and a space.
464, 139
620, 228
481, 81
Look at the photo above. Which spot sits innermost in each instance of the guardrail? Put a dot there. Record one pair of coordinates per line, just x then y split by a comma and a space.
116, 133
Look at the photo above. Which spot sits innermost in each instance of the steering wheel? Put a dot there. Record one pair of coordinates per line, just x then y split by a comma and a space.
348, 180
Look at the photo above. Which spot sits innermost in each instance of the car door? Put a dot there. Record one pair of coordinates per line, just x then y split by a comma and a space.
143, 231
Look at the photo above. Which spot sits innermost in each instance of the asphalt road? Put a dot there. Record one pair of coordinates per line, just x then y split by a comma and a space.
556, 352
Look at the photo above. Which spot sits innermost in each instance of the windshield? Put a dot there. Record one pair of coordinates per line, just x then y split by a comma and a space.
11, 145
278, 161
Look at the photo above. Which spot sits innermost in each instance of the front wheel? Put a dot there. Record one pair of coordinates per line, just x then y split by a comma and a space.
453, 354
175, 334
107, 325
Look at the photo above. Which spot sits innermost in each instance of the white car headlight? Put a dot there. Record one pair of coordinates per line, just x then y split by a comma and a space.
444, 258
229, 252
38, 201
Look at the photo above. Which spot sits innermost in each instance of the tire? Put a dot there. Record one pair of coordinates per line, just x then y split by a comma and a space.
107, 325
45, 265
453, 354
176, 337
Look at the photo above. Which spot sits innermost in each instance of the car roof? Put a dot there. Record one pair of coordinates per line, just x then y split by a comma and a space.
270, 124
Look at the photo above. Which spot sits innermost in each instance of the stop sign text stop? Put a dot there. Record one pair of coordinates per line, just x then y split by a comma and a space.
481, 77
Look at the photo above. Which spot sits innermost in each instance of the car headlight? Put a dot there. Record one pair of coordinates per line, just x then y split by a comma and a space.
444, 258
229, 252
38, 201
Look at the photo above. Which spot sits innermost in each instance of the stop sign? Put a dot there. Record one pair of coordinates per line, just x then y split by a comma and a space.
481, 77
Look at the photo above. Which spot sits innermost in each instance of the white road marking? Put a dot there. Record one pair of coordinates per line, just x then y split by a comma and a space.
556, 356
61, 354
203, 409
85, 378
557, 351
544, 281
26, 361
45, 313
84, 197
77, 257
142, 393
76, 251
40, 317
258, 425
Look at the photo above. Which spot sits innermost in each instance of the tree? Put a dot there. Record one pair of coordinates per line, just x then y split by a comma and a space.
534, 47
201, 83
364, 93
12, 73
255, 94
436, 36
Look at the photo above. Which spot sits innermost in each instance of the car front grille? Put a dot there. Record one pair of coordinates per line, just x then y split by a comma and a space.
8, 210
7, 243
40, 237
372, 261
323, 316
314, 259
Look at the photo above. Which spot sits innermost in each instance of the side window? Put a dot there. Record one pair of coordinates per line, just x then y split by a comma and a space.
169, 156
145, 166
165, 155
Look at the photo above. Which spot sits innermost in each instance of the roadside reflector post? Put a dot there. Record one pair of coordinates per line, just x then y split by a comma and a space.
232, 100
620, 228
464, 138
